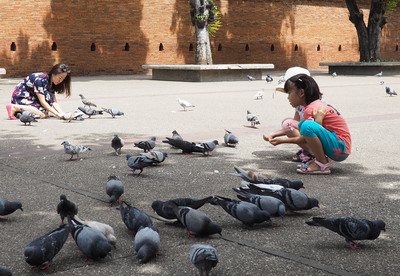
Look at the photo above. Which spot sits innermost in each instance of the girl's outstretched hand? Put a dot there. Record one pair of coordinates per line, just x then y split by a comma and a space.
273, 141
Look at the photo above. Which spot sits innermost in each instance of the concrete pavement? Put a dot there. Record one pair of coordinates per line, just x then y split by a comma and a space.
34, 170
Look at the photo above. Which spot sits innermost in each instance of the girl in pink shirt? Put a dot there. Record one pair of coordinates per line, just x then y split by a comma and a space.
323, 129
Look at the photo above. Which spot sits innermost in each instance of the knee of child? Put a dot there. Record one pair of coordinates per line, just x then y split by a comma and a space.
287, 125
308, 127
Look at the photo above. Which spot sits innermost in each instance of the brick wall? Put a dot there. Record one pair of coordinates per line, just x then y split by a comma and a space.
117, 37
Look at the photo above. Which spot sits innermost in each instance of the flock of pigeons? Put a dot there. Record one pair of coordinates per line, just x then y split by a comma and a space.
260, 199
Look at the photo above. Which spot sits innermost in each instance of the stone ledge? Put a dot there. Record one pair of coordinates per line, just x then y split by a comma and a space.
207, 73
363, 68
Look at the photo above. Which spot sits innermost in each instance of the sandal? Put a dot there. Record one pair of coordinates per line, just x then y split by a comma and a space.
302, 156
324, 168
9, 107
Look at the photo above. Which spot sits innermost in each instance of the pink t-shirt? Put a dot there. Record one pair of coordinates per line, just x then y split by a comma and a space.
333, 121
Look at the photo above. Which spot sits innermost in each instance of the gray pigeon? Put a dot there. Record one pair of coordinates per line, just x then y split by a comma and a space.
254, 177
206, 148
293, 199
27, 117
138, 162
246, 212
9, 207
66, 208
204, 257
86, 102
90, 241
114, 189
251, 78
117, 143
104, 228
196, 222
230, 139
134, 218
146, 145
270, 204
90, 112
253, 119
157, 156
186, 146
351, 228
176, 136
163, 208
147, 243
5, 272
74, 149
113, 112
390, 91
268, 78
41, 251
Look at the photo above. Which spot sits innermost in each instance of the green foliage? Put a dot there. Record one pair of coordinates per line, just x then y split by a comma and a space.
216, 24
391, 5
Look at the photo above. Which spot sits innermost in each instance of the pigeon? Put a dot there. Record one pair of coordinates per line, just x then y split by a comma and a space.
157, 156
293, 199
147, 243
90, 112
259, 95
253, 119
204, 257
146, 145
196, 222
74, 149
207, 148
268, 78
86, 102
272, 187
41, 251
113, 112
104, 228
76, 115
138, 162
117, 143
230, 139
390, 91
334, 74
93, 244
186, 146
134, 218
281, 79
253, 177
5, 272
351, 228
379, 74
382, 82
8, 207
176, 136
66, 208
246, 212
27, 117
251, 78
114, 189
163, 209
184, 104
270, 204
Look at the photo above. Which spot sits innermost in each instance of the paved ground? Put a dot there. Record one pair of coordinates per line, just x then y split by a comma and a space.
34, 170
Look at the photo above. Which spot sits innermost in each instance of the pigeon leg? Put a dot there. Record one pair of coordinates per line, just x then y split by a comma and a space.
45, 266
190, 235
353, 245
141, 170
3, 219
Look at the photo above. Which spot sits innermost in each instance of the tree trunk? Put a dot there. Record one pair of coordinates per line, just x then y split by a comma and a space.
199, 11
369, 38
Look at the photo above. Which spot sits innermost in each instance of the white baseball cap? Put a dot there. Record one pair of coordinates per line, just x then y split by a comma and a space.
293, 71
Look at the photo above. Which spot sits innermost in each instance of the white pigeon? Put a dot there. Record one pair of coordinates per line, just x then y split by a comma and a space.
251, 78
281, 79
334, 74
184, 104
259, 95
390, 91
379, 74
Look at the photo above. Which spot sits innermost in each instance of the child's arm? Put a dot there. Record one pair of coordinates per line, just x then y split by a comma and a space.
319, 114
291, 140
46, 105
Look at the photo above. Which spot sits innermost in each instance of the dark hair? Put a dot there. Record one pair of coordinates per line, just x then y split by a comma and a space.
303, 81
65, 85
